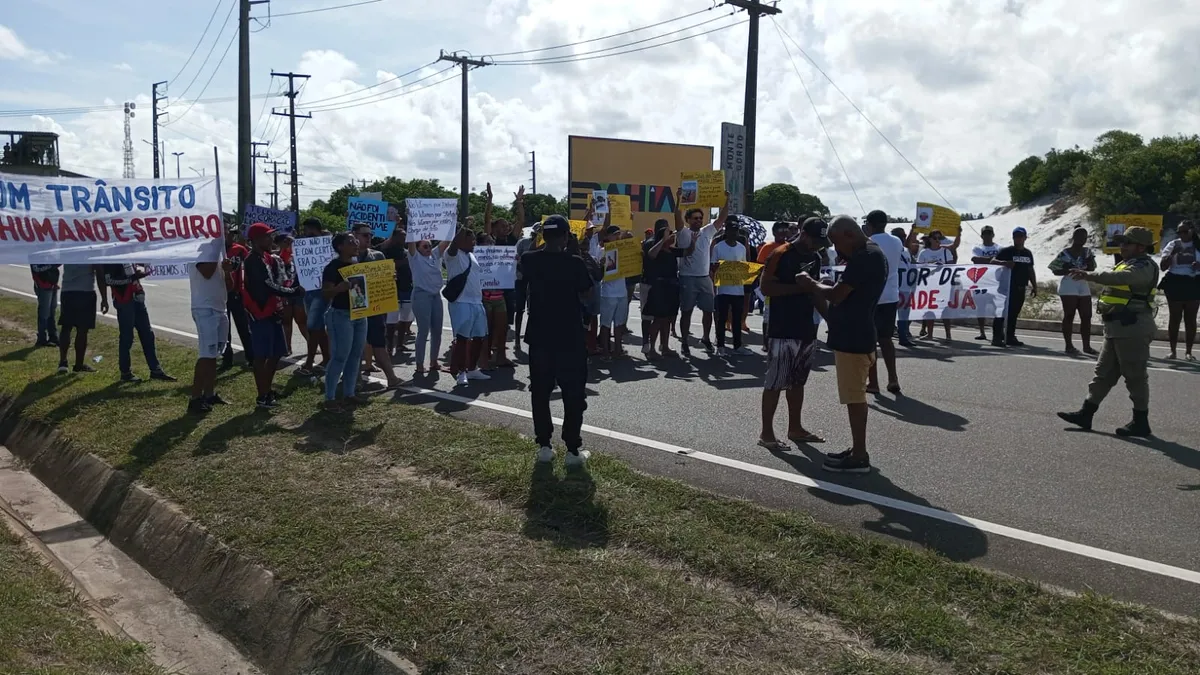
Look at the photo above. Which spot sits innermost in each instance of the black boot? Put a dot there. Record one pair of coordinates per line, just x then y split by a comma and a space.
1081, 418
1139, 427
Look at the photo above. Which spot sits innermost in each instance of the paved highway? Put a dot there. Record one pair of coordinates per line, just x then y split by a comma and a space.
971, 460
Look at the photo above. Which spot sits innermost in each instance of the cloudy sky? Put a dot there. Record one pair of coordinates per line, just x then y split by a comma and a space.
964, 89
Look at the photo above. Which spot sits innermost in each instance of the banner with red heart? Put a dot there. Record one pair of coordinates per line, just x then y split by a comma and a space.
976, 273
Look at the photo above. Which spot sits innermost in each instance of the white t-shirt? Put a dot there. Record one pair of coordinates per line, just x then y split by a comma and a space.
426, 270
608, 289
929, 256
1182, 264
696, 264
208, 293
893, 250
472, 293
724, 251
985, 250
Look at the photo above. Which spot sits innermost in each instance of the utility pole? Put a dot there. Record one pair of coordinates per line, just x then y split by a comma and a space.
533, 171
275, 172
245, 150
155, 113
466, 63
177, 156
291, 115
363, 181
128, 147
254, 157
756, 10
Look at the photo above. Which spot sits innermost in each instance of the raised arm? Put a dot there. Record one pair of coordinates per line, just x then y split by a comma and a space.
519, 209
487, 212
679, 225
724, 212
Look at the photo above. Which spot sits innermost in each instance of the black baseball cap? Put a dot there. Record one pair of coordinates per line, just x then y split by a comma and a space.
780, 226
555, 225
987, 228
817, 230
877, 217
612, 229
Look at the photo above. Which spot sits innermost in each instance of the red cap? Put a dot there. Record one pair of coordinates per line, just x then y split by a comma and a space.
258, 230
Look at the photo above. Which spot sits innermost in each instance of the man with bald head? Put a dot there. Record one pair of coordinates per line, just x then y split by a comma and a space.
852, 335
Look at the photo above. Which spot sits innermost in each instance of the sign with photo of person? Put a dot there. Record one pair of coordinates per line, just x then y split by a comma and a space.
372, 288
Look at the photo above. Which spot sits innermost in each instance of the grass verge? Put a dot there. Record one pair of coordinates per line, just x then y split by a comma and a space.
45, 630
442, 539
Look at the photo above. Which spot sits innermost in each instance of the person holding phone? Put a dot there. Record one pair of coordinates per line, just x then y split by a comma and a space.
1181, 285
347, 337
1076, 294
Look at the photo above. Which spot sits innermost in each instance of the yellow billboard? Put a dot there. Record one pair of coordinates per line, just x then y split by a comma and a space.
647, 172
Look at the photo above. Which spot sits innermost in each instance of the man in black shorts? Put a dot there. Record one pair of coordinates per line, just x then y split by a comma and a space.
885, 311
792, 332
77, 301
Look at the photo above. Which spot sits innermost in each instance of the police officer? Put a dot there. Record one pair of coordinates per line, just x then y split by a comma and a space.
1127, 307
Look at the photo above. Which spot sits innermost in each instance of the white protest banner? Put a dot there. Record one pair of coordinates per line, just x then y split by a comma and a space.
432, 219
51, 220
497, 266
373, 212
159, 271
310, 255
946, 291
600, 202
283, 222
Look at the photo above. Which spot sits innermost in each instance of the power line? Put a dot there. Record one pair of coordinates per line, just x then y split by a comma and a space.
200, 41
394, 95
585, 57
216, 41
820, 120
326, 9
868, 119
357, 91
210, 78
607, 37
84, 110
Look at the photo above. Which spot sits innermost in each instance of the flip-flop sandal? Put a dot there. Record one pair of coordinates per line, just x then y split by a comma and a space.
773, 446
809, 437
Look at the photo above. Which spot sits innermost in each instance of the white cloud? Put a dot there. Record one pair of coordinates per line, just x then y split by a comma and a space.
123, 67
13, 49
964, 90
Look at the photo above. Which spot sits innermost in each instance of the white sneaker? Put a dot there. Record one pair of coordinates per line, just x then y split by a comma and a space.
742, 351
477, 374
545, 454
461, 380
577, 458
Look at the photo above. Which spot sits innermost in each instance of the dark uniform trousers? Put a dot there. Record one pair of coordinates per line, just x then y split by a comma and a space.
566, 369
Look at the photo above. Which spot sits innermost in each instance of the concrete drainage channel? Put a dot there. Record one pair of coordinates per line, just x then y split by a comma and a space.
113, 534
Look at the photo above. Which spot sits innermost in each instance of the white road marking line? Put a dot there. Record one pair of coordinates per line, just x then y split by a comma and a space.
1055, 543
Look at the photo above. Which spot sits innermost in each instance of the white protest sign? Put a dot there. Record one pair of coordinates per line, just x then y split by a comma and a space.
168, 270
59, 220
600, 201
946, 291
497, 266
432, 219
310, 255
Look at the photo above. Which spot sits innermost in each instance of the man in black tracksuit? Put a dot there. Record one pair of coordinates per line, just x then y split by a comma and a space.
557, 283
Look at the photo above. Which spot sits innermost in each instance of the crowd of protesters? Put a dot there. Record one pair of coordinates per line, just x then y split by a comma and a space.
563, 310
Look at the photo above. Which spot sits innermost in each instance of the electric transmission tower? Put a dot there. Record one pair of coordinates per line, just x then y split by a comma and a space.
128, 173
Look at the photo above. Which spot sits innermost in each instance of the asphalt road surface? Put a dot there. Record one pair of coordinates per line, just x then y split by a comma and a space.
971, 460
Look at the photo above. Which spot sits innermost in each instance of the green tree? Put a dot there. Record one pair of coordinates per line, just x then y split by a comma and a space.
539, 205
780, 201
1021, 179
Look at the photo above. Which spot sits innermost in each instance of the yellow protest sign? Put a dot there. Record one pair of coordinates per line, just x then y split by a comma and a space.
622, 259
932, 217
737, 273
1115, 225
702, 189
620, 211
372, 288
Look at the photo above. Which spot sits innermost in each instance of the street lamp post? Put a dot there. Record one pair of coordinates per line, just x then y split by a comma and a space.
177, 156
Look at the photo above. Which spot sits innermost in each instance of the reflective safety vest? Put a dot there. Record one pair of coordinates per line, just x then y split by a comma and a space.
1115, 298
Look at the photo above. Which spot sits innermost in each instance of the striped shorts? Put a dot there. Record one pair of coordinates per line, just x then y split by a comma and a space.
788, 363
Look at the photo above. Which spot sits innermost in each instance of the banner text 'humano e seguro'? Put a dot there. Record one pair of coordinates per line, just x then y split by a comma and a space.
87, 220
